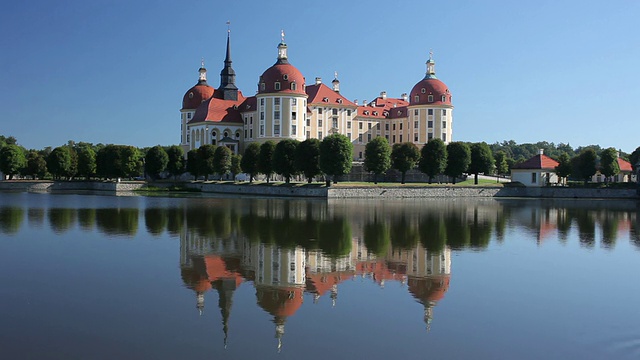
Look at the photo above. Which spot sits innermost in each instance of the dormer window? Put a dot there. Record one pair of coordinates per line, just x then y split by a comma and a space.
399, 112
386, 113
430, 98
285, 77
417, 98
339, 101
262, 86
276, 86
325, 99
375, 113
366, 112
444, 98
423, 90
190, 95
248, 106
293, 85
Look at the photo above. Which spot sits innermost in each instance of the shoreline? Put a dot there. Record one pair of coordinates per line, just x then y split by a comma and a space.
333, 192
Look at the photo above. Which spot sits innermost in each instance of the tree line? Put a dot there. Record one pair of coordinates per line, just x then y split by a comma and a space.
330, 157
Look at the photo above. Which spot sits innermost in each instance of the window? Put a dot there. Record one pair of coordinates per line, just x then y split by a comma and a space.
369, 126
294, 102
319, 110
430, 98
190, 95
423, 90
533, 178
360, 155
226, 134
262, 86
238, 135
276, 86
348, 124
261, 130
415, 137
308, 122
349, 136
416, 124
250, 120
319, 135
250, 133
294, 116
276, 101
319, 123
334, 111
394, 139
378, 126
334, 122
400, 138
386, 137
360, 125
444, 98
417, 98
430, 136
400, 126
348, 112
188, 115
285, 77
276, 129
444, 124
308, 134
246, 121
262, 102
430, 112
368, 137
276, 115
430, 124
294, 86
415, 112
188, 137
386, 127
444, 137
262, 115
444, 112
360, 138
394, 127
294, 130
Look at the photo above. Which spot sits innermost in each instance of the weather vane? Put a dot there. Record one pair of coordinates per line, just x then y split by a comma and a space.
335, 74
228, 26
282, 34
430, 54
202, 63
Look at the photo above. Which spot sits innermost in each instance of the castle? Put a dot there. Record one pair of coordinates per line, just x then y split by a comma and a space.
285, 107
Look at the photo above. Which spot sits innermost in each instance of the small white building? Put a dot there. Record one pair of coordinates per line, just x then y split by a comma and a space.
540, 170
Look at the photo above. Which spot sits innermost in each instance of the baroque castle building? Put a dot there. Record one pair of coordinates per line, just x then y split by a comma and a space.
286, 107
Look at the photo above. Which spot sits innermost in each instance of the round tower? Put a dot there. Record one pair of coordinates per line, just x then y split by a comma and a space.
195, 96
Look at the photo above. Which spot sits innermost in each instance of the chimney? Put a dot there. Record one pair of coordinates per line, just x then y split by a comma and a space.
355, 101
318, 80
364, 102
383, 94
404, 96
541, 151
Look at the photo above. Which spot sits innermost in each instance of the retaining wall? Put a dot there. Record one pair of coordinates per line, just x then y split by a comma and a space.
69, 186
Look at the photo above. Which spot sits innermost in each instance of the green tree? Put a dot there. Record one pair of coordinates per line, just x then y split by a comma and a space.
404, 157
284, 162
481, 160
502, 167
60, 162
563, 170
156, 161
433, 159
458, 159
609, 163
336, 155
634, 159
584, 165
131, 161
87, 165
265, 160
4, 141
308, 158
249, 161
176, 163
193, 164
36, 165
205, 160
377, 157
236, 167
222, 160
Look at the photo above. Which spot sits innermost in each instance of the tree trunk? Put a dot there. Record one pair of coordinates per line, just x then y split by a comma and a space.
453, 180
430, 179
375, 178
475, 178
288, 179
328, 182
402, 181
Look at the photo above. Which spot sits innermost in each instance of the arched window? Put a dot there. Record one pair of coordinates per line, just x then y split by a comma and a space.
444, 98
430, 98
293, 86
226, 134
262, 86
277, 86
417, 98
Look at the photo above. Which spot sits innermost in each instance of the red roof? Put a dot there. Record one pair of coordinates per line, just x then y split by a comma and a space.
624, 165
285, 74
196, 95
539, 161
219, 110
398, 112
322, 94
430, 86
279, 301
372, 112
389, 103
249, 104
429, 289
320, 283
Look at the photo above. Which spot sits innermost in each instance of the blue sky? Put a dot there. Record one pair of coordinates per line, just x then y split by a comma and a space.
108, 71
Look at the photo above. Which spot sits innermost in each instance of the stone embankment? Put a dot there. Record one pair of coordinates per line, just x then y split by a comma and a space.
43, 186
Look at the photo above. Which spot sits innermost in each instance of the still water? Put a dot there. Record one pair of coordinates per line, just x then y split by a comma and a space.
86, 276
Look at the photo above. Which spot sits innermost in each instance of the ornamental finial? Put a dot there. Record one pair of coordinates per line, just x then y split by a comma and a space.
335, 74
282, 35
202, 63
228, 26
430, 54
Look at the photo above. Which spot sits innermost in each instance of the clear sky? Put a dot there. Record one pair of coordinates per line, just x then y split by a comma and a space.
109, 71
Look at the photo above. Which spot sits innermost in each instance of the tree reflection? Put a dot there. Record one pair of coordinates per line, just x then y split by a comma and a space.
377, 237
155, 220
61, 219
123, 222
35, 216
433, 232
11, 219
87, 219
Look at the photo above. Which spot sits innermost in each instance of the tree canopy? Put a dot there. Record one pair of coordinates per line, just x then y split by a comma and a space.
377, 157
193, 164
458, 159
156, 161
404, 157
481, 160
60, 162
308, 158
284, 158
609, 163
584, 165
265, 160
222, 161
336, 154
249, 161
176, 163
12, 160
205, 160
433, 159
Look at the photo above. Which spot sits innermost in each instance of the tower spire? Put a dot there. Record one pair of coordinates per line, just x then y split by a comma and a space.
228, 75
202, 78
282, 50
431, 67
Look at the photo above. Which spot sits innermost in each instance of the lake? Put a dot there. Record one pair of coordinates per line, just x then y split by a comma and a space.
94, 276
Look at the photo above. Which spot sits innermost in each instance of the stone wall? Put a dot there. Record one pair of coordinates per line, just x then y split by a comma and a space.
567, 193
260, 190
37, 186
413, 192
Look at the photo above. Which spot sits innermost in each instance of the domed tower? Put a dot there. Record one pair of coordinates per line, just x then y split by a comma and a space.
195, 96
430, 107
281, 101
